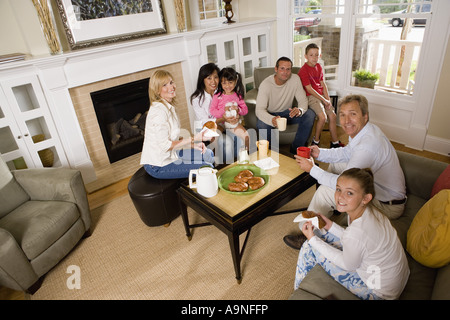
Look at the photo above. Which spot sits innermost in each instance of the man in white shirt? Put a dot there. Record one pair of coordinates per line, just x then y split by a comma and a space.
368, 147
276, 94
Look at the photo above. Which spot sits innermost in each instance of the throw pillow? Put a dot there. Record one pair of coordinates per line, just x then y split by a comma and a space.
443, 182
428, 237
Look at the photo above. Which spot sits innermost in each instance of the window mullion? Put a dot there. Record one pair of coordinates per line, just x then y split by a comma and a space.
347, 44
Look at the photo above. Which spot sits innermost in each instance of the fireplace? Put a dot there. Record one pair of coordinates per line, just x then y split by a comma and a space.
121, 113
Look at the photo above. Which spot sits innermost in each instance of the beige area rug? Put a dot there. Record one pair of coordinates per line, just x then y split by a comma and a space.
125, 259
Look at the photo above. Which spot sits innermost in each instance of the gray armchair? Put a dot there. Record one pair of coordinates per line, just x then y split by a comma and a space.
43, 215
259, 74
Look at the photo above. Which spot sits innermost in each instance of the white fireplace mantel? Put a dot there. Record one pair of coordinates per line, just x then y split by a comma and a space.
58, 73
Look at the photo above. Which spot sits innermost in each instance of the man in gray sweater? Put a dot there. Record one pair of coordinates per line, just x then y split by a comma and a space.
275, 98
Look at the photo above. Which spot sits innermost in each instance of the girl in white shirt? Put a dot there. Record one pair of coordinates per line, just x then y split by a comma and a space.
164, 154
367, 257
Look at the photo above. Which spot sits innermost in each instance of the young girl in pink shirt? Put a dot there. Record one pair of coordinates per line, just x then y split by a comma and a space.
228, 102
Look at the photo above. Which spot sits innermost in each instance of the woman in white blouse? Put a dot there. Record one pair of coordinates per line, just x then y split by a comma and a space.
367, 257
164, 154
227, 144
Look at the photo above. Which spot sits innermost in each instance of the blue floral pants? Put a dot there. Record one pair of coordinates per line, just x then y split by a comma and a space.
308, 257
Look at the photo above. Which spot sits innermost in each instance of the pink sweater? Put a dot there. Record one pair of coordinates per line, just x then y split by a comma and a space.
219, 102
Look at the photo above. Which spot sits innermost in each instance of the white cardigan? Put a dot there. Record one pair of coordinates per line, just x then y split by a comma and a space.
161, 128
370, 245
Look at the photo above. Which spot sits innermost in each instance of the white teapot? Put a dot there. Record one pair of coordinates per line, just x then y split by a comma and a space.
205, 181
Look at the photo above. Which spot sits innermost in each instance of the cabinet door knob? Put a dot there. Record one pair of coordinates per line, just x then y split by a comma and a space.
26, 134
19, 137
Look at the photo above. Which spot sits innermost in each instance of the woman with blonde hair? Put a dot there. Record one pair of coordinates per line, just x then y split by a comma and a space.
164, 154
367, 257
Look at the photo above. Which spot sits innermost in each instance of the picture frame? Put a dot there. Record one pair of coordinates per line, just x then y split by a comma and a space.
89, 26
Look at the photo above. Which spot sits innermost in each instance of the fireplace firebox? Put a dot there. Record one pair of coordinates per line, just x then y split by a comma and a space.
121, 113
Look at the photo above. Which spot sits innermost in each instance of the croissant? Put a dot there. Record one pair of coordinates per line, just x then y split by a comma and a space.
255, 183
243, 176
238, 186
210, 125
310, 214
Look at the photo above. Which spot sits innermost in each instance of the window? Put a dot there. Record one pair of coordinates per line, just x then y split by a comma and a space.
210, 9
387, 39
319, 22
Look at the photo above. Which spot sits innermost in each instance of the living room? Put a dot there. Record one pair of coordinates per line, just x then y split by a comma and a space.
67, 77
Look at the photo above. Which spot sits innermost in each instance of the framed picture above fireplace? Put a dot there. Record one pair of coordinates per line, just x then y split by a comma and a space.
97, 22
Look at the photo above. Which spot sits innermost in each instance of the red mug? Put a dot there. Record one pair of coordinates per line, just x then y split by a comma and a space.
304, 152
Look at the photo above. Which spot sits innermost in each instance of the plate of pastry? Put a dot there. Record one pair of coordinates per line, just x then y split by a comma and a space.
243, 179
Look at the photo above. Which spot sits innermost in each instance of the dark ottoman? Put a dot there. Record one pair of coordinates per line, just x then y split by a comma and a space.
156, 200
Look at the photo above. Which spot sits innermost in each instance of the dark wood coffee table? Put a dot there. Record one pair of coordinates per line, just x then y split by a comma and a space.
235, 214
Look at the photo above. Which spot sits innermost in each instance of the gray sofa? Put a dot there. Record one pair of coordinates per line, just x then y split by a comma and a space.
424, 283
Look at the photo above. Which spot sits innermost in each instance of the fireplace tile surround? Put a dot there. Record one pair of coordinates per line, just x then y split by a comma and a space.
68, 78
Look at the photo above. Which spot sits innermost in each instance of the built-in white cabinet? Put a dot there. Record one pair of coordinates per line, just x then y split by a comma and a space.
28, 136
242, 50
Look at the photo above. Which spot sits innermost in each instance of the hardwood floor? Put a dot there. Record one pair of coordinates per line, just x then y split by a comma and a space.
107, 194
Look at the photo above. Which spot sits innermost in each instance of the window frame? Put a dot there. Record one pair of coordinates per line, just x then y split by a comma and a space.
403, 118
195, 14
346, 48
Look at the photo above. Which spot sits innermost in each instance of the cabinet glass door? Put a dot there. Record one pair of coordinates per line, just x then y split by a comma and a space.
243, 51
34, 132
13, 148
222, 51
253, 53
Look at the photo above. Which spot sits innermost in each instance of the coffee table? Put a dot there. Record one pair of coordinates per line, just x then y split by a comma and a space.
235, 214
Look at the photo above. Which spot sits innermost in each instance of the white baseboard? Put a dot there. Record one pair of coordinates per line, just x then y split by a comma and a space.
437, 145
416, 138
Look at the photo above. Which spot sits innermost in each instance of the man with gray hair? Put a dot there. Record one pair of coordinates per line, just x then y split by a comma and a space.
368, 147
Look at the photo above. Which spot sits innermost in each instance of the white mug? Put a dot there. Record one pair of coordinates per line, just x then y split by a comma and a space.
281, 123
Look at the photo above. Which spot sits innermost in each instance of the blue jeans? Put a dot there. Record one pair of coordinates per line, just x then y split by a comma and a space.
305, 124
189, 159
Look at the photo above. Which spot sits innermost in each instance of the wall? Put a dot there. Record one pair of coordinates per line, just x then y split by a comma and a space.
20, 28
256, 8
439, 122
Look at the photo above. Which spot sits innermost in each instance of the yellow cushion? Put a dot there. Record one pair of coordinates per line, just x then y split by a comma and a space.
428, 238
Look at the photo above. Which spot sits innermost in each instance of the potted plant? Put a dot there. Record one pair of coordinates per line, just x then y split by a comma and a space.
365, 78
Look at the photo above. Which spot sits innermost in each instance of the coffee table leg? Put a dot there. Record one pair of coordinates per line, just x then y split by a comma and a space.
185, 218
234, 246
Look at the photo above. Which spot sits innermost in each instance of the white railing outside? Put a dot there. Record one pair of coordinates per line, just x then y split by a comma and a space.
299, 60
383, 57
299, 50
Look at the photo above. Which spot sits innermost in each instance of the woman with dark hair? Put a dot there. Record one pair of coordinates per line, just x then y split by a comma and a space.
367, 257
227, 144
207, 83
